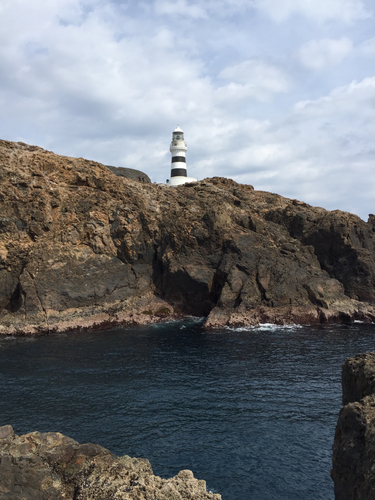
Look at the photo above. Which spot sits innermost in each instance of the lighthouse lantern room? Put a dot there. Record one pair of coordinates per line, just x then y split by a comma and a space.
178, 168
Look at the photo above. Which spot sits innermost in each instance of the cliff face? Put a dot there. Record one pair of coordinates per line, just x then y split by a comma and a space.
80, 246
52, 466
353, 459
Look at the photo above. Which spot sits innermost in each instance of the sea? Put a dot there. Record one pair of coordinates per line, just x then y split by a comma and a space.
250, 410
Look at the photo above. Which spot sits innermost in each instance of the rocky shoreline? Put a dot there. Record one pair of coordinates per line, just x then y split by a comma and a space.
51, 466
83, 248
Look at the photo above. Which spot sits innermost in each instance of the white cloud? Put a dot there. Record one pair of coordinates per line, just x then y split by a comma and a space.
252, 78
332, 138
346, 11
316, 54
262, 155
368, 47
353, 100
180, 8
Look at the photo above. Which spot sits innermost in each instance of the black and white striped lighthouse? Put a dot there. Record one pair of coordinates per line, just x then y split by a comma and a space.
178, 168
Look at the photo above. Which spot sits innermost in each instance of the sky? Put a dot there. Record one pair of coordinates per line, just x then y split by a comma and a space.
279, 94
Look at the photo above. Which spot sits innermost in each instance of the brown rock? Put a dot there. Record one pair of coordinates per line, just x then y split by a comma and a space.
358, 378
81, 247
353, 459
130, 173
51, 466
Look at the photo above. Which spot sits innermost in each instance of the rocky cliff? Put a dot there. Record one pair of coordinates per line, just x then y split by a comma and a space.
51, 466
82, 247
353, 470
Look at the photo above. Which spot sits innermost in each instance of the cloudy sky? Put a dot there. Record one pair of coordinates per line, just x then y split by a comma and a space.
279, 94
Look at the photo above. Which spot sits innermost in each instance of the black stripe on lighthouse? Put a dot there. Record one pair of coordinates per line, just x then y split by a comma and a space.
178, 172
178, 159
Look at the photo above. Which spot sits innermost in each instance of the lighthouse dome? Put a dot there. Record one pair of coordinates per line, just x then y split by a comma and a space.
178, 135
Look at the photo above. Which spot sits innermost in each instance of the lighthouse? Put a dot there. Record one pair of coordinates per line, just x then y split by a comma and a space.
178, 168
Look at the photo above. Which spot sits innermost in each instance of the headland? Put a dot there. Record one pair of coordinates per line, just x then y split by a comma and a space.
82, 247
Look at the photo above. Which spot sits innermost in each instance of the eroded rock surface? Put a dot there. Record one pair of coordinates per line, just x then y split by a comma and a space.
51, 466
353, 462
83, 248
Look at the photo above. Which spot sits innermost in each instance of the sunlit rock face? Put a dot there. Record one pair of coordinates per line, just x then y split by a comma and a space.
53, 466
81, 248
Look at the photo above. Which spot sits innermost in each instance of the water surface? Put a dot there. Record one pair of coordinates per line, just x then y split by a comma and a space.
251, 411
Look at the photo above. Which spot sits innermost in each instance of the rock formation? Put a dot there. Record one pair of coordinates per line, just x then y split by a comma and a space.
51, 466
82, 248
353, 462
130, 173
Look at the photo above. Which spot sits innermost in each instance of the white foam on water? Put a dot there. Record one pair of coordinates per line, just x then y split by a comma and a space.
263, 327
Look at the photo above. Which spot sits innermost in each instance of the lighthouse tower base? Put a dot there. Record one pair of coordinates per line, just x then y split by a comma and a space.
179, 179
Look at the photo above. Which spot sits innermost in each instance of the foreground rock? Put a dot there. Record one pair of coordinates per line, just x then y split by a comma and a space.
81, 247
353, 463
51, 466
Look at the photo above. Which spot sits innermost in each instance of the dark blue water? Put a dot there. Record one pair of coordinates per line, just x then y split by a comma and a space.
252, 412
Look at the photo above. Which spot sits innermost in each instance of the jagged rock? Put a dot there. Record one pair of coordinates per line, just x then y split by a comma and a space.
358, 378
353, 470
83, 248
51, 466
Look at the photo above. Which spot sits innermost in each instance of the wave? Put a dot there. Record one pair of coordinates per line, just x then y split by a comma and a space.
262, 327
